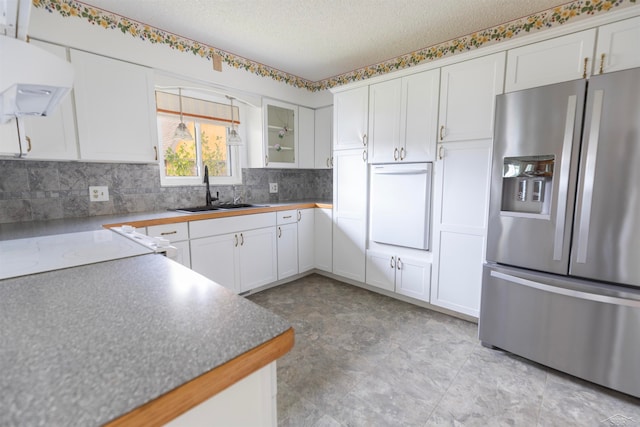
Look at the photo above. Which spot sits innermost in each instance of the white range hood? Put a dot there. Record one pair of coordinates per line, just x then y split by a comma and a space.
32, 80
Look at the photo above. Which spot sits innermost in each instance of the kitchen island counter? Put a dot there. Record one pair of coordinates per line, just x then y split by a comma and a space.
138, 340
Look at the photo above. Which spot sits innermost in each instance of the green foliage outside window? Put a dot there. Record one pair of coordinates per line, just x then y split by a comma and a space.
182, 161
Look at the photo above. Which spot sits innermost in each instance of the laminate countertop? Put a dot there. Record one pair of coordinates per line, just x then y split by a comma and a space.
20, 230
137, 340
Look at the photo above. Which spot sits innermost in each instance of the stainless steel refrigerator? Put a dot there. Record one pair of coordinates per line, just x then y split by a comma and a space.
562, 281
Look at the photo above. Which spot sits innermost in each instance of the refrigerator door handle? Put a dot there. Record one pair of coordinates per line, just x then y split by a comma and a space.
589, 176
561, 211
567, 292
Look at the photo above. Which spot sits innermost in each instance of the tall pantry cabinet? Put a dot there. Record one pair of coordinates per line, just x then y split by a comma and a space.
461, 182
350, 183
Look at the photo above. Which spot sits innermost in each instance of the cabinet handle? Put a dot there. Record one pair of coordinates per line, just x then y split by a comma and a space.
299, 215
399, 264
28, 144
155, 149
402, 153
584, 71
331, 161
241, 239
364, 155
395, 154
166, 233
235, 240
391, 262
328, 161
364, 139
441, 132
441, 152
602, 63
266, 160
279, 232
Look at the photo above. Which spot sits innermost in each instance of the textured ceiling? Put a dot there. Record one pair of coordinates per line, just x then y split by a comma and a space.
318, 39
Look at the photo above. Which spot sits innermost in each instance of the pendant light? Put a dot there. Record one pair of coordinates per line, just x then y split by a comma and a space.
181, 131
232, 135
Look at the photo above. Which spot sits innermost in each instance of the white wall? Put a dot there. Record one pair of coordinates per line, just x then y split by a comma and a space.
80, 34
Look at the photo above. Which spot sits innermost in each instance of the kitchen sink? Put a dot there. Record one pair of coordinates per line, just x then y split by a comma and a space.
197, 209
238, 205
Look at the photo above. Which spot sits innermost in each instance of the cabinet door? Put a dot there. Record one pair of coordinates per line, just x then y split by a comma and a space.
53, 137
618, 46
381, 270
281, 134
10, 142
184, 253
115, 109
287, 250
350, 114
323, 138
467, 98
306, 248
323, 239
461, 196
550, 61
306, 137
419, 116
384, 121
258, 258
413, 278
217, 259
350, 213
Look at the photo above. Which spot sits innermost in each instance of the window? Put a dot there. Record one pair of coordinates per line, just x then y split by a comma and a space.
182, 161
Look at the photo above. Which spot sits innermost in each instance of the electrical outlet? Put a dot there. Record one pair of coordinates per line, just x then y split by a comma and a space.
99, 193
273, 187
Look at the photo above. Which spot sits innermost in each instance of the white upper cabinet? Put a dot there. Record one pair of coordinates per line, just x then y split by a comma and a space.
53, 137
556, 60
281, 134
323, 138
618, 46
10, 142
115, 109
306, 137
467, 97
350, 114
403, 118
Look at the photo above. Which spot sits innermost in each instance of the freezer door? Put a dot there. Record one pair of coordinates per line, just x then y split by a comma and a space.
533, 176
606, 241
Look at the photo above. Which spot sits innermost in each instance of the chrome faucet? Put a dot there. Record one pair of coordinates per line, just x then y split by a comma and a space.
209, 199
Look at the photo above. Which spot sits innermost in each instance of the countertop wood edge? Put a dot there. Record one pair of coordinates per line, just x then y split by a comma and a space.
179, 400
180, 217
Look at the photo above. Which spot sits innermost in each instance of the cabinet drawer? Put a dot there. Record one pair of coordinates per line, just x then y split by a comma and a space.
174, 232
216, 226
287, 217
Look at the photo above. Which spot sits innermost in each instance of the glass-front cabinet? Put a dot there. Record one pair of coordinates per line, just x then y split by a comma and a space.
280, 134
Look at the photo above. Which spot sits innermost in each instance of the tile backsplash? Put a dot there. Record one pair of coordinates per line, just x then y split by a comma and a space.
40, 190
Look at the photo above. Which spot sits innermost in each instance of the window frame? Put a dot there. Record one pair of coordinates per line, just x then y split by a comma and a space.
234, 151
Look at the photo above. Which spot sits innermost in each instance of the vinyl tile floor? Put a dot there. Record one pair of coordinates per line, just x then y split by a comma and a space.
364, 359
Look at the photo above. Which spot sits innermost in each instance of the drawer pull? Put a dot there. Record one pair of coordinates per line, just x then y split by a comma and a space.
166, 233
286, 217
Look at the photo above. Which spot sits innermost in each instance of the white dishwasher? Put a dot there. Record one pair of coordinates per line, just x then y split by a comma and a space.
400, 203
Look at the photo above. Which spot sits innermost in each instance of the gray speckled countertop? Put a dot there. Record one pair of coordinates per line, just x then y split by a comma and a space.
85, 345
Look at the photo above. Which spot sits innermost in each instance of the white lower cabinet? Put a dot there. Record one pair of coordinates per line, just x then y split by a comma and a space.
461, 196
323, 239
404, 275
178, 235
240, 260
350, 213
306, 247
287, 243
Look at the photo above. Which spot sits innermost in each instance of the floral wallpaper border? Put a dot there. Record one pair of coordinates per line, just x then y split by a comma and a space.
539, 21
